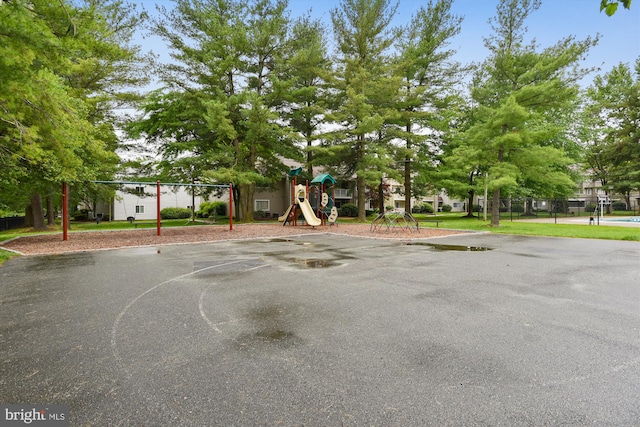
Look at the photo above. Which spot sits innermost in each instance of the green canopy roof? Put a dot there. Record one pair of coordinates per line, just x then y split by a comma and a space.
323, 178
295, 171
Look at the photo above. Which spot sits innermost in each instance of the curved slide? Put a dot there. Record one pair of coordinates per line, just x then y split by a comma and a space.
307, 211
286, 214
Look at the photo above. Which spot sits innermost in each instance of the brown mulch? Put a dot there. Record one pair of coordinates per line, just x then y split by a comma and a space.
96, 240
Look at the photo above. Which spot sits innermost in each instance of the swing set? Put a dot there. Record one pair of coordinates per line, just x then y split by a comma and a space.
65, 200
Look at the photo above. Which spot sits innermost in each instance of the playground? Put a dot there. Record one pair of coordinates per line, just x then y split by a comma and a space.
325, 211
328, 329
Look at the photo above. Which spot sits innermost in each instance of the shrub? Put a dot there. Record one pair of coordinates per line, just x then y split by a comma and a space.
209, 209
349, 210
175, 213
260, 214
81, 215
423, 208
446, 208
619, 206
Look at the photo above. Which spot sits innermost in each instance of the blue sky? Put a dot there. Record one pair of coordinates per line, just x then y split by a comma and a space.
556, 19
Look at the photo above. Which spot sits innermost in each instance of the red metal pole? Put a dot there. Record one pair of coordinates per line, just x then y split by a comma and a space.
158, 206
230, 207
65, 213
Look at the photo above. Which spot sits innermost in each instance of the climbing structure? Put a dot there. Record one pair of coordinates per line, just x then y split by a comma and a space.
395, 220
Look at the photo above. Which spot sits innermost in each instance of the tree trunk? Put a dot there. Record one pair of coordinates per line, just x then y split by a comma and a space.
51, 216
360, 183
360, 188
528, 207
495, 208
309, 138
38, 216
236, 202
470, 205
28, 216
407, 175
246, 205
381, 196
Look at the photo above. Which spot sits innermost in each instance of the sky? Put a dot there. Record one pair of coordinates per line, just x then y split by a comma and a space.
553, 21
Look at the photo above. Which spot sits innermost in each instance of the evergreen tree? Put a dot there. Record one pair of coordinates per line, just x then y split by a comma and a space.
305, 84
428, 76
366, 90
219, 97
520, 91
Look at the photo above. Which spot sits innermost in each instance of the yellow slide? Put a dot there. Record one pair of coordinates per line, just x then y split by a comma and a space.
286, 214
307, 211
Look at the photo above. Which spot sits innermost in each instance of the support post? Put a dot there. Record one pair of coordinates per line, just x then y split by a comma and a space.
158, 207
230, 206
65, 212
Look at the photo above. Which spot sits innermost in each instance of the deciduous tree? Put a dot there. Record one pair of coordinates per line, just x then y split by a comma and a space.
611, 129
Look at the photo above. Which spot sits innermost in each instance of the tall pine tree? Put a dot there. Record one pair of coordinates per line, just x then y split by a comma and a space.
521, 92
366, 89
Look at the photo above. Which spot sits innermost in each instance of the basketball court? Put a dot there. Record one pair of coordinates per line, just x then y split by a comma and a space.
472, 329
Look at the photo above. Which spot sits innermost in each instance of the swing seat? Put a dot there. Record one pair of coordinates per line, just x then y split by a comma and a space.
131, 219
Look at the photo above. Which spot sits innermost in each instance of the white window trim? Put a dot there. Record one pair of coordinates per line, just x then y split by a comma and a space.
255, 205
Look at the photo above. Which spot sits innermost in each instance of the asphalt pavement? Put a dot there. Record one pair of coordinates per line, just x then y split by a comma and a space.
325, 330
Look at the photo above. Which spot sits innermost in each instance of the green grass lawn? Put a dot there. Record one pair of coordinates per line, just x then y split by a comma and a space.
454, 221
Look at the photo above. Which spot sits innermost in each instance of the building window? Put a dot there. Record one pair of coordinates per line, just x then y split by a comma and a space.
139, 190
262, 205
139, 209
457, 205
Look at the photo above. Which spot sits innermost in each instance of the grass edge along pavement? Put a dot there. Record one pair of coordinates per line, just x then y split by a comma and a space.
527, 228
447, 221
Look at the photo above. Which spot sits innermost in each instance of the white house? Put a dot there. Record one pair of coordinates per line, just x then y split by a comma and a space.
396, 198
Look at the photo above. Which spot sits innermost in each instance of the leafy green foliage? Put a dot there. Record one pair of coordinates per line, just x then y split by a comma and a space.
175, 213
63, 67
610, 7
211, 209
365, 87
348, 210
518, 133
427, 91
423, 208
215, 118
611, 129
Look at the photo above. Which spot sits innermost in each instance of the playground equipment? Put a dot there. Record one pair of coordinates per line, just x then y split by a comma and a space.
396, 221
327, 210
300, 201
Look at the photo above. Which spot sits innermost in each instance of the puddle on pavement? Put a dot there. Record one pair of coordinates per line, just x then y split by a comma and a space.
56, 261
314, 263
442, 247
270, 327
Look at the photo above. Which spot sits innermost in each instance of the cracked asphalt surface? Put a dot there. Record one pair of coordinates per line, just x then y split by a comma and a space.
329, 330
